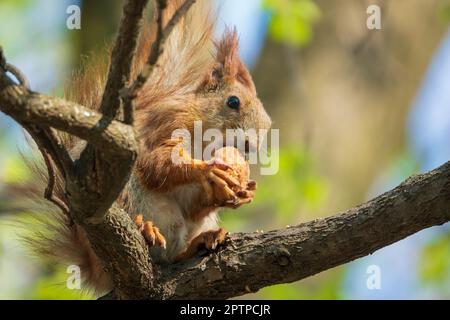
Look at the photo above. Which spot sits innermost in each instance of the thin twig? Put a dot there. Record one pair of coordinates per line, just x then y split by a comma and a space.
46, 135
47, 141
49, 191
61, 154
53, 152
130, 93
46, 147
7, 67
2, 59
122, 56
158, 46
162, 34
155, 53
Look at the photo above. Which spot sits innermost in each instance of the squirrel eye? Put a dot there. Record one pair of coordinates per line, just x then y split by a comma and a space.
233, 102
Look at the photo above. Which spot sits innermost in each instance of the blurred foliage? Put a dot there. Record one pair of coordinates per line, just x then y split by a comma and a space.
301, 187
296, 193
17, 4
292, 20
435, 262
14, 170
53, 287
301, 193
325, 286
444, 11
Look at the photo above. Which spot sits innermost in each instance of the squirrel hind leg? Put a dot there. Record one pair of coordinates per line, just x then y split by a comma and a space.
151, 233
210, 240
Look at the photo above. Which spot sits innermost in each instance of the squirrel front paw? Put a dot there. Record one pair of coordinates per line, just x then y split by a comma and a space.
213, 239
151, 233
210, 240
225, 179
217, 183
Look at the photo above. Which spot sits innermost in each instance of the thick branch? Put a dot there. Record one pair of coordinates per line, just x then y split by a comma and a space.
92, 163
111, 148
30, 107
93, 168
113, 140
250, 262
121, 246
48, 143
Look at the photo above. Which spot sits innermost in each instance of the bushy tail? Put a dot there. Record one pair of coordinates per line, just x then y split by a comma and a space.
49, 232
187, 53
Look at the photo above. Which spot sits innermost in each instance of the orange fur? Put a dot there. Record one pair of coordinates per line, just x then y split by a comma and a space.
52, 234
192, 81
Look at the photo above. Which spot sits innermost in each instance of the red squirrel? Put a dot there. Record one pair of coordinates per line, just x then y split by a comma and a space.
174, 205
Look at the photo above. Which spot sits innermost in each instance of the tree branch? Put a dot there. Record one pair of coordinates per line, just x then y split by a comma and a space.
122, 57
162, 34
48, 143
164, 31
93, 168
50, 151
250, 262
115, 234
6, 67
30, 107
112, 147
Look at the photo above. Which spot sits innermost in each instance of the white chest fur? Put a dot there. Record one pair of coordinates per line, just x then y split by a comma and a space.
169, 213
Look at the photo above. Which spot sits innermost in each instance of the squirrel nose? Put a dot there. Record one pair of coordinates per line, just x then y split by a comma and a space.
258, 119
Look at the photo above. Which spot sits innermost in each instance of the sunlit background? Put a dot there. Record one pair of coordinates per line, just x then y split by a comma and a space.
358, 111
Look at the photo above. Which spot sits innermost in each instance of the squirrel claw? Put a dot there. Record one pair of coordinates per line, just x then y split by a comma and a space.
245, 194
251, 185
217, 185
151, 234
239, 202
231, 181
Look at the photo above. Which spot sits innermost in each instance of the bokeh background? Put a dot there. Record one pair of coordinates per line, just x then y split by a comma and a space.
358, 111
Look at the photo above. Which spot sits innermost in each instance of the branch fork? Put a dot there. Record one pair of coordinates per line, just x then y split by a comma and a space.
248, 262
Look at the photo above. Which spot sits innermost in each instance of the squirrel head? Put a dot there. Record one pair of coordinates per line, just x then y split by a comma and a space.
227, 95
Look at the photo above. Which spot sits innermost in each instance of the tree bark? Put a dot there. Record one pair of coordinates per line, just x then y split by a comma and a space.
248, 262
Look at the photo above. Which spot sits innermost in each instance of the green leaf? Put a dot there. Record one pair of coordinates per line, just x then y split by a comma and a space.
301, 190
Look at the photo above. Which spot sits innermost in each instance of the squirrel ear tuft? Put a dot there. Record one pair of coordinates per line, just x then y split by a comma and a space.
228, 67
227, 55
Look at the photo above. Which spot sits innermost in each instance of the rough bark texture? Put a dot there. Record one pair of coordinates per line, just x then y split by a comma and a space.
122, 58
125, 254
250, 262
31, 107
247, 262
